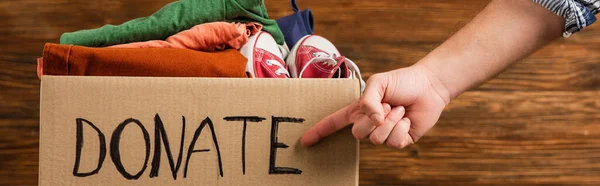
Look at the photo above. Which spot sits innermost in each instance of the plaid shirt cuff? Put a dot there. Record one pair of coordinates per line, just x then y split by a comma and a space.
578, 14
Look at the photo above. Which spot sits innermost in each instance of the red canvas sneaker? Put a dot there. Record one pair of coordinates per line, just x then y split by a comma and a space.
316, 57
264, 57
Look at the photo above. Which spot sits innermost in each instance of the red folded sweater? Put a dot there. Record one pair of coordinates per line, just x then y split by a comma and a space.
208, 37
160, 62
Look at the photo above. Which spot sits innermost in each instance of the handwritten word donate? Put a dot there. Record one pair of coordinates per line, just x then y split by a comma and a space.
160, 137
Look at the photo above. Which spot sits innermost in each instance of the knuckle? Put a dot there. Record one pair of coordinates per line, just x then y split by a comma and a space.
356, 134
376, 139
375, 78
364, 101
390, 120
394, 144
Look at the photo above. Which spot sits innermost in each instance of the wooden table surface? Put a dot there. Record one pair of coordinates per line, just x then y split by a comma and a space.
538, 123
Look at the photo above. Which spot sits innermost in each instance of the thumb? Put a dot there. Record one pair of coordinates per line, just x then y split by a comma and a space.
370, 101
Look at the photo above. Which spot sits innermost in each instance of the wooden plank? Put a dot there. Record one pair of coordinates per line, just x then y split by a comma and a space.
386, 35
560, 66
19, 151
499, 138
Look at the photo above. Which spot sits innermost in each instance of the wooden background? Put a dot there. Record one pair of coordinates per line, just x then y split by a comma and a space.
538, 123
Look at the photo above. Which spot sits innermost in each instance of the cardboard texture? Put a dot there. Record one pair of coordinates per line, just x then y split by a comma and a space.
277, 113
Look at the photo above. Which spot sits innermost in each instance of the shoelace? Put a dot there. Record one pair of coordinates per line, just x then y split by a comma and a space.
321, 57
356, 73
330, 60
281, 70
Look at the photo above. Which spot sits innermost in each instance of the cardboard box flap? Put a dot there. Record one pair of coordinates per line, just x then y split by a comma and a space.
189, 131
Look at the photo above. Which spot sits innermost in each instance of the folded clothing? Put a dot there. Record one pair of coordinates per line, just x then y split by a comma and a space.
173, 18
160, 62
208, 37
296, 25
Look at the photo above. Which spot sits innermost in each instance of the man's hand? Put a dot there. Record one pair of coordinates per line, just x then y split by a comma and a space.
397, 108
400, 106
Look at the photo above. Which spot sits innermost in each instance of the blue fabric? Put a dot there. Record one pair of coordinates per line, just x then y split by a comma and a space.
578, 14
296, 25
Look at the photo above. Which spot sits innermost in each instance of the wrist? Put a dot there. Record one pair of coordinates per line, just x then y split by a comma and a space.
435, 82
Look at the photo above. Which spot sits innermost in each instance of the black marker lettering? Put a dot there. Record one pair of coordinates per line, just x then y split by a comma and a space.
245, 119
275, 144
159, 131
115, 151
191, 150
79, 146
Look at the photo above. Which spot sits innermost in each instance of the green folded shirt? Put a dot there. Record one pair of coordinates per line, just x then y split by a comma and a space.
173, 18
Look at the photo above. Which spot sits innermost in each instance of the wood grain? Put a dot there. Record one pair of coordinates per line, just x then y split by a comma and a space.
385, 35
538, 123
499, 138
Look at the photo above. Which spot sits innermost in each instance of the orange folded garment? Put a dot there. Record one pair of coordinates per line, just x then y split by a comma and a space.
208, 37
161, 62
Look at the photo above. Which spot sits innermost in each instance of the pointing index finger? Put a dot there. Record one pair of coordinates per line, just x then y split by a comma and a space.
328, 125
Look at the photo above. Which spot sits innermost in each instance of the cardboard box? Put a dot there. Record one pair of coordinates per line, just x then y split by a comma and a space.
129, 131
